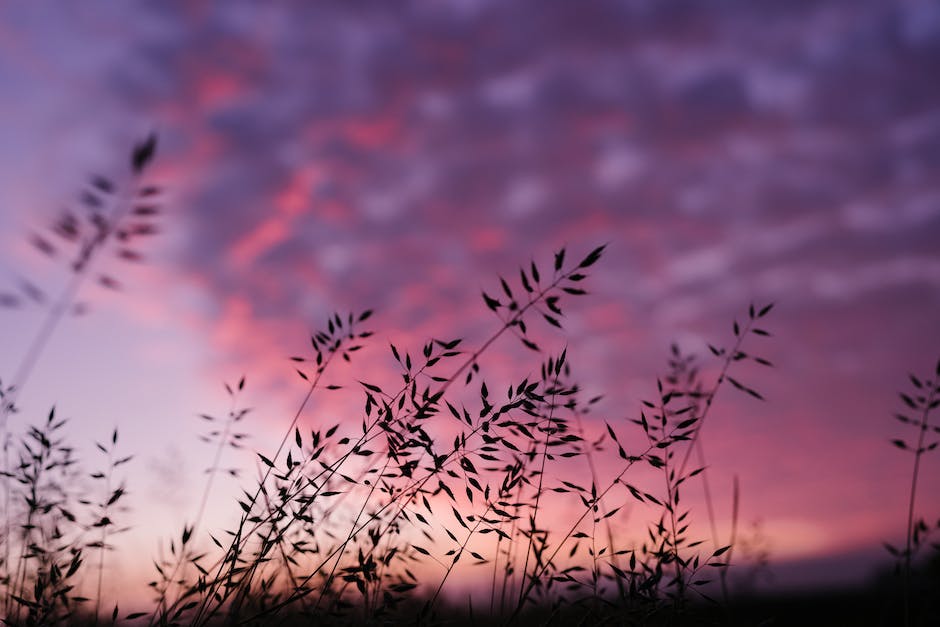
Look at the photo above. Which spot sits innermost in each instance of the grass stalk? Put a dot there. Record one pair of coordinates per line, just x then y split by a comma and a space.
915, 475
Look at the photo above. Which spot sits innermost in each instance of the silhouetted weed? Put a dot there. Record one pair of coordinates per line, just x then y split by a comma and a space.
42, 539
922, 400
369, 519
442, 470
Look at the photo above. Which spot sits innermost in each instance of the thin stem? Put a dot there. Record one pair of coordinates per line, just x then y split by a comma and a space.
671, 489
577, 523
910, 508
457, 555
214, 469
39, 343
161, 603
104, 534
349, 538
538, 493
723, 571
614, 558
709, 503
233, 549
710, 397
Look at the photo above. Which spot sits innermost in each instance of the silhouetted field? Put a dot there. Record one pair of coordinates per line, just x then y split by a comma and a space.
369, 519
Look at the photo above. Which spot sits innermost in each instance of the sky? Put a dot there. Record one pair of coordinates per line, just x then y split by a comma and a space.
335, 156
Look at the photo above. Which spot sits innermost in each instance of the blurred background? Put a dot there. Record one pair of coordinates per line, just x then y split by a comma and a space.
322, 156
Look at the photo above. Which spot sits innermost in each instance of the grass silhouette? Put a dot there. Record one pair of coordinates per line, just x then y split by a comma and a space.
43, 550
922, 400
369, 520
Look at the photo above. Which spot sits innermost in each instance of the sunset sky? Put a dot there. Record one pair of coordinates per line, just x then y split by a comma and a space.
400, 156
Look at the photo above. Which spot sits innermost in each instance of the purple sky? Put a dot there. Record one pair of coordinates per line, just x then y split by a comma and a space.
399, 156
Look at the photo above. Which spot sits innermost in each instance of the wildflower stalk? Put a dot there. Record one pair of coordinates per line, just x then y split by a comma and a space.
918, 453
